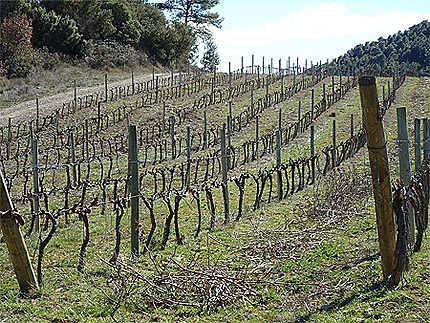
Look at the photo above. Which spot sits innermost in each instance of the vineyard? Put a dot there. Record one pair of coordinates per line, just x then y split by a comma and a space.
230, 196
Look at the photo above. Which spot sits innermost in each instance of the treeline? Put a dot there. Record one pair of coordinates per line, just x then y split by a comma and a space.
407, 51
103, 33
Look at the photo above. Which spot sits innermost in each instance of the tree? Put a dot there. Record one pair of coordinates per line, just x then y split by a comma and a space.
16, 52
195, 14
210, 58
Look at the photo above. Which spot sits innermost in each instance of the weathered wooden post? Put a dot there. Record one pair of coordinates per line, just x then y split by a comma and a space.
299, 114
35, 154
312, 103
426, 142
73, 157
9, 137
37, 115
252, 64
334, 155
164, 116
18, 253
380, 173
205, 130
256, 136
132, 81
188, 156
417, 131
278, 163
241, 65
75, 96
405, 165
312, 141
224, 176
106, 88
133, 174
172, 136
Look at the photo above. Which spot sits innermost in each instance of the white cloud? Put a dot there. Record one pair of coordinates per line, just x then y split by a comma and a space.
316, 32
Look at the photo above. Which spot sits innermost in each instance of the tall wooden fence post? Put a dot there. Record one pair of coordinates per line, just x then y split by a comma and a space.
278, 163
417, 130
224, 176
405, 165
18, 252
380, 173
34, 154
426, 142
134, 188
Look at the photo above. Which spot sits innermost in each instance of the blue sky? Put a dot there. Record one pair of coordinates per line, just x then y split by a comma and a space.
311, 29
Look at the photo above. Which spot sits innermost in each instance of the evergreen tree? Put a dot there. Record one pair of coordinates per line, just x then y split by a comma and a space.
210, 57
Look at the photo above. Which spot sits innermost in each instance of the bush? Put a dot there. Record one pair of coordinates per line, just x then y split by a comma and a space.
20, 63
54, 32
112, 54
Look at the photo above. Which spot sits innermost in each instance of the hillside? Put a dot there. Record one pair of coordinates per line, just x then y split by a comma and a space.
404, 51
224, 213
100, 34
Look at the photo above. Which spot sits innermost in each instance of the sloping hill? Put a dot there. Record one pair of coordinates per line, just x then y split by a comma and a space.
408, 50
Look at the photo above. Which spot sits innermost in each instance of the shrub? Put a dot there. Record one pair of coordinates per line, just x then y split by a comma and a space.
111, 54
55, 32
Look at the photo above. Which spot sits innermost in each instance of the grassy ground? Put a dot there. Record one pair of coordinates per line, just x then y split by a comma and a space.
311, 257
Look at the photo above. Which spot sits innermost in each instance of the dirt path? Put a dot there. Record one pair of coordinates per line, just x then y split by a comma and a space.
25, 111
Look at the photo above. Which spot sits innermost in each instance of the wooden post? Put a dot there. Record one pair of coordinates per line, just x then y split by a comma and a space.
380, 173
34, 153
75, 96
37, 115
278, 163
252, 64
405, 165
188, 156
417, 130
188, 143
332, 86
252, 96
73, 157
229, 79
312, 104
300, 111
172, 135
9, 136
106, 88
426, 142
205, 130
224, 176
262, 69
324, 95
282, 84
241, 65
87, 150
134, 188
164, 116
280, 119
17, 248
334, 157
132, 81
256, 137
312, 140
180, 83
57, 119
99, 115
352, 125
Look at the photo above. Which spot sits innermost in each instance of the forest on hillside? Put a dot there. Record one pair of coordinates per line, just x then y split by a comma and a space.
407, 51
101, 33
